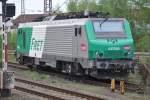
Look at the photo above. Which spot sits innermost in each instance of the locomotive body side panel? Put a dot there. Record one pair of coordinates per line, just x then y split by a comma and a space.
62, 43
37, 41
58, 41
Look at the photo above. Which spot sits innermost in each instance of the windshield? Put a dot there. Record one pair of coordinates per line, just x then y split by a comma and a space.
109, 29
110, 26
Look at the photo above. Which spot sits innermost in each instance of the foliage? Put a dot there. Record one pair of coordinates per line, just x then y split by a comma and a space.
144, 43
81, 5
11, 42
72, 6
117, 8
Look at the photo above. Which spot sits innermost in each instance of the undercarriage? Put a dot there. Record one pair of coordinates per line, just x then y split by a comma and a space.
103, 69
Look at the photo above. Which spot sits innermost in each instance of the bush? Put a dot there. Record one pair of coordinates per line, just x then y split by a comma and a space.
11, 42
143, 44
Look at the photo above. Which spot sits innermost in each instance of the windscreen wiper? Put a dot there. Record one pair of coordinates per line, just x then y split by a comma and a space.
106, 19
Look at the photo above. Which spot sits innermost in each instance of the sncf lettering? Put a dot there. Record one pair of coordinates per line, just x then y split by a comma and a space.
36, 44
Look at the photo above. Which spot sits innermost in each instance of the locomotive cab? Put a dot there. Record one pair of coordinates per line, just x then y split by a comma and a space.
110, 45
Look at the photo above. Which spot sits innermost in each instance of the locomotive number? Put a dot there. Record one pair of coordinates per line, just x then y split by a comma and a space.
113, 48
36, 44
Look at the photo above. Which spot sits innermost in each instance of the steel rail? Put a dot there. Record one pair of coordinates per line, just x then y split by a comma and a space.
58, 89
16, 65
20, 88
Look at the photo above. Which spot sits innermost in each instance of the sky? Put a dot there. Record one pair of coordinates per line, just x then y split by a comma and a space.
34, 6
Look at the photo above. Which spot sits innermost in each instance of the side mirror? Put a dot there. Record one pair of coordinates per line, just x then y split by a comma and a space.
10, 10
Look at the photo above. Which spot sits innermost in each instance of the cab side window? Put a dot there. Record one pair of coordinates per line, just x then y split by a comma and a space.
78, 31
24, 39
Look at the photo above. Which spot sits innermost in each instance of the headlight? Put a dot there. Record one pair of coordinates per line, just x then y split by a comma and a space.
98, 55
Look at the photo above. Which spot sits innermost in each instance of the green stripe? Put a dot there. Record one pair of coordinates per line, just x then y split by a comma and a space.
24, 39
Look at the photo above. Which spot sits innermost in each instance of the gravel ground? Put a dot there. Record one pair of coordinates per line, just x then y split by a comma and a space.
61, 82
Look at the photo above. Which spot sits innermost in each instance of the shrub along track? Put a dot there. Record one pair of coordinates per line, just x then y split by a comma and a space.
132, 87
144, 70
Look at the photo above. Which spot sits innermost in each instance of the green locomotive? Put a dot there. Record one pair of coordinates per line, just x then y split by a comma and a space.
87, 45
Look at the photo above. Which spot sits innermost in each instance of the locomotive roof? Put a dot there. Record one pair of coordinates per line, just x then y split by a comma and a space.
66, 22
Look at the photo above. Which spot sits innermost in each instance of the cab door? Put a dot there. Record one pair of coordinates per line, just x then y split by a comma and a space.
23, 40
19, 41
76, 45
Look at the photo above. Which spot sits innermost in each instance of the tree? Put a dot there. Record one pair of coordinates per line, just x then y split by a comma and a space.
72, 6
93, 5
82, 5
117, 8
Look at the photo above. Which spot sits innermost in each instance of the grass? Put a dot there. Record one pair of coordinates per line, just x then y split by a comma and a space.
135, 78
11, 58
145, 60
136, 96
35, 76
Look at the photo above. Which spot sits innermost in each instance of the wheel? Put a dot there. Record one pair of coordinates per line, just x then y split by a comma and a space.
72, 68
31, 65
77, 69
69, 68
20, 60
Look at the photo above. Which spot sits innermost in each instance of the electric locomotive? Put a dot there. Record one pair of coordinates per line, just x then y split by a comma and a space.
89, 44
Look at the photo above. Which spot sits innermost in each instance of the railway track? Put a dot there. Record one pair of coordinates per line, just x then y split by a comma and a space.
52, 92
86, 80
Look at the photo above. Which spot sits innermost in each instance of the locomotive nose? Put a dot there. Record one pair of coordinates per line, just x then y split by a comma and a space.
112, 52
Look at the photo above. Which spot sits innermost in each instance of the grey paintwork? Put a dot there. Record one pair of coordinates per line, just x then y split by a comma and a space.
62, 44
